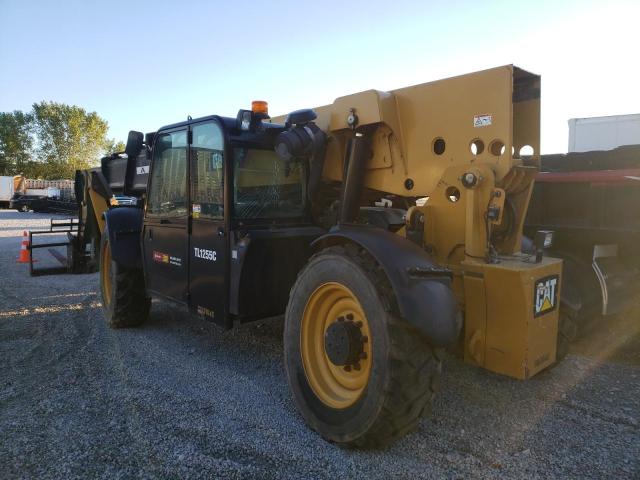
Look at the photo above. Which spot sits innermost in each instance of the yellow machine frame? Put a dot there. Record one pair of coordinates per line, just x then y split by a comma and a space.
456, 143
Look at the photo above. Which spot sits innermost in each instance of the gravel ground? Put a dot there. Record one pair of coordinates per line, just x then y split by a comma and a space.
179, 398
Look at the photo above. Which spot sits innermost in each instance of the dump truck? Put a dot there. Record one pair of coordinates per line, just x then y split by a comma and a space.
591, 202
386, 226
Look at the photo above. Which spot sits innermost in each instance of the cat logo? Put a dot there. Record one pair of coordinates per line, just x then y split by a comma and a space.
545, 295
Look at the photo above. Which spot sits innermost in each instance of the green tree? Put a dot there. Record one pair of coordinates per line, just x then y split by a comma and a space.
114, 147
68, 138
16, 142
52, 141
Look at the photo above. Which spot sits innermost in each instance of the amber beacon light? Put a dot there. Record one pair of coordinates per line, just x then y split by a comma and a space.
260, 106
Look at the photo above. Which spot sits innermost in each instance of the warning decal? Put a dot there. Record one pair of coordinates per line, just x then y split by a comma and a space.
545, 295
161, 257
483, 120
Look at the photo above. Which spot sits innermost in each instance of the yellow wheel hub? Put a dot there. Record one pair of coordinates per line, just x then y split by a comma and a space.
105, 274
335, 344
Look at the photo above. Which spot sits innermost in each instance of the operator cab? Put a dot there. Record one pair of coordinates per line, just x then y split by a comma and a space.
226, 223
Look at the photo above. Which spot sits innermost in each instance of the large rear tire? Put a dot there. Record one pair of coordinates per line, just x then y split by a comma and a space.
567, 332
124, 300
380, 381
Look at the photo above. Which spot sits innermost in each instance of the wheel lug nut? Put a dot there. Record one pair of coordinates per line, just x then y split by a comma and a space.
341, 319
357, 366
347, 368
349, 316
358, 324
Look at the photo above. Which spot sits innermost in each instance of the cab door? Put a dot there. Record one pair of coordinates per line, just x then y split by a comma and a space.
165, 231
208, 244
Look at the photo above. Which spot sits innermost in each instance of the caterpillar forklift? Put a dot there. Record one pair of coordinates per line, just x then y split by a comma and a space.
386, 227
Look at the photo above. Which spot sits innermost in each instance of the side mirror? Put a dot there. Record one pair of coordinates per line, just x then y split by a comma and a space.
134, 144
149, 138
244, 119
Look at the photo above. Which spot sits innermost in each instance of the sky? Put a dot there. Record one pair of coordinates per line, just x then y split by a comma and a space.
144, 64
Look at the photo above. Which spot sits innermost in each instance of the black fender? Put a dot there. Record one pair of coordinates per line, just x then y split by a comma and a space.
124, 227
422, 288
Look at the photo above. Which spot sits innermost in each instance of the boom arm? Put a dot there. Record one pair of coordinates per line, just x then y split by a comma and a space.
421, 140
459, 142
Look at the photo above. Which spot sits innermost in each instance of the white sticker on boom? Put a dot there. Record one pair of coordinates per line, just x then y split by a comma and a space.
142, 170
482, 120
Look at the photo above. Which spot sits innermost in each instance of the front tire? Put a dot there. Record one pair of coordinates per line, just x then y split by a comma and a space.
389, 384
124, 300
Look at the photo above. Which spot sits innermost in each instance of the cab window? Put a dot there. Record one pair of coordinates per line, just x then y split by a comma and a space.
207, 171
266, 186
168, 185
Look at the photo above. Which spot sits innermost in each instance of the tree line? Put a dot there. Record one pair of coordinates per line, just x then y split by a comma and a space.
52, 141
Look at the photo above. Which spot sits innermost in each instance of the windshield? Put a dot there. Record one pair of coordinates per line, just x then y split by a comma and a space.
266, 186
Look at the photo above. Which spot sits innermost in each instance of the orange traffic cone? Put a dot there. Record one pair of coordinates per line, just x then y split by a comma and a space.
25, 253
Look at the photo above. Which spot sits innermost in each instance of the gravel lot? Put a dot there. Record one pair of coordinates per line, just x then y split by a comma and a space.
180, 398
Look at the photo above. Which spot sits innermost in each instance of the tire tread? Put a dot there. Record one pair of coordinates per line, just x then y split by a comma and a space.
131, 304
414, 365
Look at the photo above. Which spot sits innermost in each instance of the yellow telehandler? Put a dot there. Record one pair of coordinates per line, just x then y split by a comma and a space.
386, 226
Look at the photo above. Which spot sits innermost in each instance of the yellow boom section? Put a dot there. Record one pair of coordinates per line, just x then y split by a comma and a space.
428, 128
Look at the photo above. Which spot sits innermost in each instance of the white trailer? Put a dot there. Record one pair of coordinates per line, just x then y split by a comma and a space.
6, 190
603, 133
